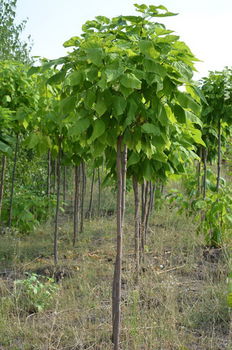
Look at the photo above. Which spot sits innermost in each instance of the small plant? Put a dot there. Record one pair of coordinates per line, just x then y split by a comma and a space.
35, 293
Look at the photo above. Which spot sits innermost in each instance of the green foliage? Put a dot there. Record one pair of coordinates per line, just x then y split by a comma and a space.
35, 293
11, 46
29, 210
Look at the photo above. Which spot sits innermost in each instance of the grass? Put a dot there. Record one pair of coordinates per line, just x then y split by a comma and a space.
178, 304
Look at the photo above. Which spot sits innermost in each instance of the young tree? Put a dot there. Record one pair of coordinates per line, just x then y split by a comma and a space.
11, 46
122, 80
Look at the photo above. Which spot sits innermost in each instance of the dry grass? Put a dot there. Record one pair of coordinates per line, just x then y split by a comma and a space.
179, 303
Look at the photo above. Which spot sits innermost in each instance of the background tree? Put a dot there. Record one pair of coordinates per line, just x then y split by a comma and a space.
11, 45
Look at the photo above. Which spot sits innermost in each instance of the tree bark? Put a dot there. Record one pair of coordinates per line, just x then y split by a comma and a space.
83, 188
219, 156
137, 225
76, 204
13, 181
57, 203
64, 184
89, 215
49, 174
116, 293
99, 192
3, 169
205, 154
199, 173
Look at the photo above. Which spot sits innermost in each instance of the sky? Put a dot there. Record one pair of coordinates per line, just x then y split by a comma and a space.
204, 25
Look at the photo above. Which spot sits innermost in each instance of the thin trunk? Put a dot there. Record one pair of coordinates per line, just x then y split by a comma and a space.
219, 155
116, 293
137, 225
146, 213
153, 197
49, 174
199, 173
57, 203
205, 172
148, 209
91, 196
13, 180
83, 186
76, 204
64, 184
99, 192
124, 164
3, 169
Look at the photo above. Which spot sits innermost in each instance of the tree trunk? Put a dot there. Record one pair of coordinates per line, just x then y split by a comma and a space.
89, 213
116, 293
13, 180
153, 197
82, 195
3, 169
219, 155
205, 154
57, 204
148, 209
137, 225
76, 204
49, 174
64, 184
99, 192
199, 173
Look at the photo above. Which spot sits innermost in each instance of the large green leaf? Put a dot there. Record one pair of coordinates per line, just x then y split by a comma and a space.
95, 55
68, 104
133, 159
149, 128
147, 48
119, 105
130, 81
101, 105
79, 127
186, 101
74, 78
154, 67
98, 129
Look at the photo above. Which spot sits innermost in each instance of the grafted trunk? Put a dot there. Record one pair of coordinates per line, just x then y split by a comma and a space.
13, 180
76, 204
116, 293
137, 225
219, 155
57, 203
3, 169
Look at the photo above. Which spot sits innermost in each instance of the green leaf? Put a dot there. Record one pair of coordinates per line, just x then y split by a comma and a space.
154, 67
57, 78
119, 105
101, 105
67, 105
131, 114
147, 48
74, 41
98, 130
150, 129
79, 127
5, 149
74, 78
130, 81
95, 55
89, 98
187, 101
179, 113
133, 159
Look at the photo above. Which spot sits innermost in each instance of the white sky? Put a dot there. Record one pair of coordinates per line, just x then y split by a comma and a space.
204, 25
